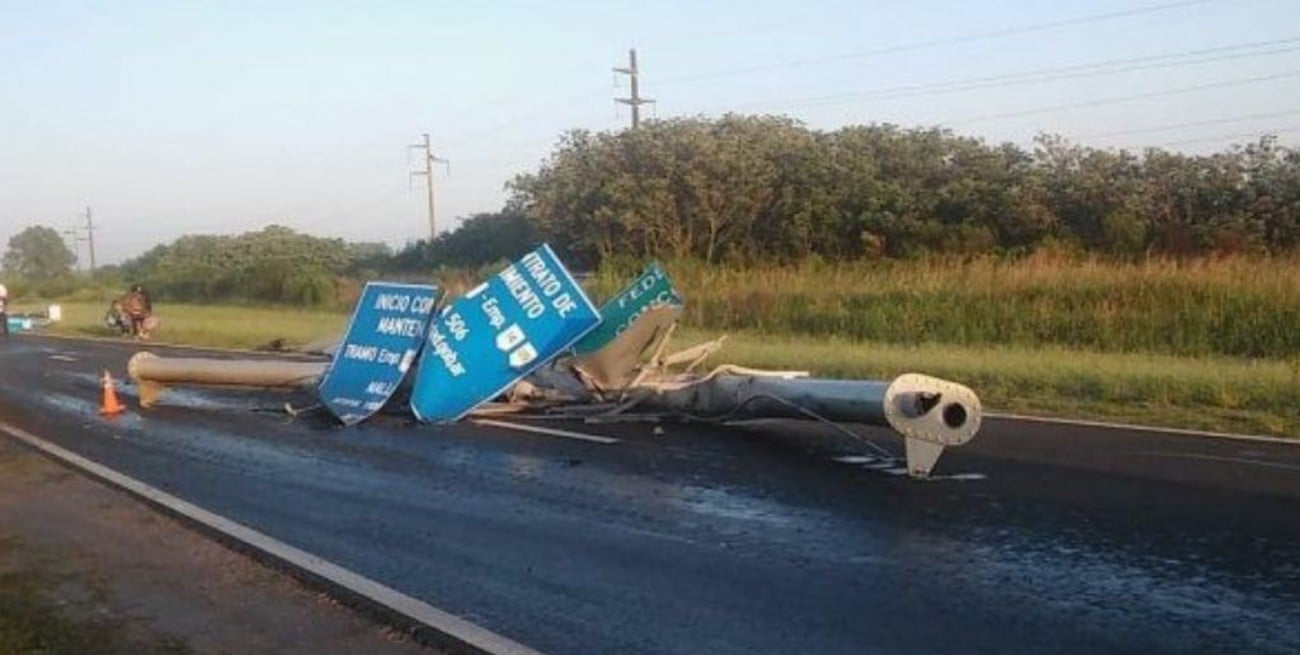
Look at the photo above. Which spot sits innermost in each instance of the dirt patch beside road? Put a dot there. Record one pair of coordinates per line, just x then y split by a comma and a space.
76, 556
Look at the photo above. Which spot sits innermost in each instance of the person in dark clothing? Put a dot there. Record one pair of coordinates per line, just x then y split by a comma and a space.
115, 319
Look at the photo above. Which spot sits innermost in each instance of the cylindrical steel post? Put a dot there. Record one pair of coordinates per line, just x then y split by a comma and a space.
928, 412
153, 373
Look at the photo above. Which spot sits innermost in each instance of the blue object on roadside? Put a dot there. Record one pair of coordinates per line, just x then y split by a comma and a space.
19, 323
500, 331
651, 289
380, 346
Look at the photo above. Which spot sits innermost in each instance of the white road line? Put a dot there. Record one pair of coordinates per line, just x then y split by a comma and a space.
146, 345
1143, 428
581, 436
464, 633
855, 459
1230, 460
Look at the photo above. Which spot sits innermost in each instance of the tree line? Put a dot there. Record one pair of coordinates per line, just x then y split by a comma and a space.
754, 188
272, 265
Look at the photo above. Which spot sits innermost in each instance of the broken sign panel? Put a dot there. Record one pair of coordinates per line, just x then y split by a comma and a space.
498, 333
651, 289
381, 343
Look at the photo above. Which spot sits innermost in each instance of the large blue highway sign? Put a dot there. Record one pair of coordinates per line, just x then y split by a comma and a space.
497, 333
382, 341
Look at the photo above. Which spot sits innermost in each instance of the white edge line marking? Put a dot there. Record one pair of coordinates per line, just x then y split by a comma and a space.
1143, 428
145, 345
449, 625
1230, 460
581, 436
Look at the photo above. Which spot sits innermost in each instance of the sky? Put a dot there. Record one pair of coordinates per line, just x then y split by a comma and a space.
184, 117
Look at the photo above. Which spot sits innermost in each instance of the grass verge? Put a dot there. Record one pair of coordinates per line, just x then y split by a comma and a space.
222, 326
1206, 392
34, 619
1239, 307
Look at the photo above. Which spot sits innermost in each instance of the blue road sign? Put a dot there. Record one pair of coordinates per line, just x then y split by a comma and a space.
651, 289
497, 333
18, 323
381, 344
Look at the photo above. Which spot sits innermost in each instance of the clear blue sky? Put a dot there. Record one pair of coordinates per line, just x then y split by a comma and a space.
178, 117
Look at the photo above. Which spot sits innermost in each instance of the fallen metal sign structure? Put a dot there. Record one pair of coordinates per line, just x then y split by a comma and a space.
380, 346
484, 342
514, 336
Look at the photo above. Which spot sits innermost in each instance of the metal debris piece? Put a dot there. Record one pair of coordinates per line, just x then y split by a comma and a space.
612, 367
652, 289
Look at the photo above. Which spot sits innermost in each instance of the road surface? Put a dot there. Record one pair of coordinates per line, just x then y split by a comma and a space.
771, 538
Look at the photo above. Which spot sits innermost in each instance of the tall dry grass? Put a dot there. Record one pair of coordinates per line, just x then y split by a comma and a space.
1248, 307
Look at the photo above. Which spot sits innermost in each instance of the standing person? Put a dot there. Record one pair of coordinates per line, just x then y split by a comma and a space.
4, 312
150, 322
148, 302
136, 306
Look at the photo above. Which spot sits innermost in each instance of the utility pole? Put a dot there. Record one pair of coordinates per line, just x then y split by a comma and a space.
429, 160
634, 100
73, 234
90, 239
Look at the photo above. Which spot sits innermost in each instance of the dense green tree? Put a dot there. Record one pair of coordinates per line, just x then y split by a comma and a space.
38, 254
275, 264
762, 187
479, 240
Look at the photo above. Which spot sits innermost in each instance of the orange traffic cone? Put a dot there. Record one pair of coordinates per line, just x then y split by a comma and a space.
110, 406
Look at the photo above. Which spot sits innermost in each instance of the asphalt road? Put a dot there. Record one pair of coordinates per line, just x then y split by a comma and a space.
766, 539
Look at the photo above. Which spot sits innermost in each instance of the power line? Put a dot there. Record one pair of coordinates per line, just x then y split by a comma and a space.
1238, 135
349, 211
1180, 126
537, 111
1140, 96
955, 40
890, 49
1108, 67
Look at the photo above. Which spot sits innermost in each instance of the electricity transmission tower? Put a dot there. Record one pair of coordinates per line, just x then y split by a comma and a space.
634, 100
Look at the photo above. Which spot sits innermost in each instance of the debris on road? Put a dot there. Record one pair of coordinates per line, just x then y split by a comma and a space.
530, 336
